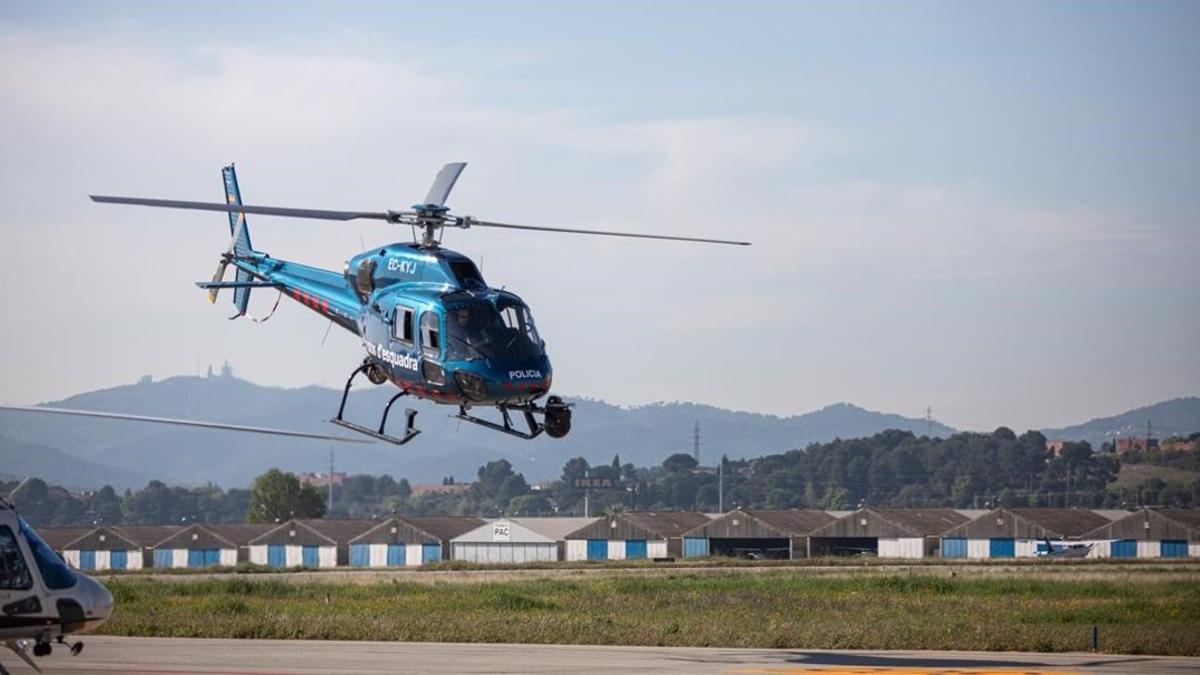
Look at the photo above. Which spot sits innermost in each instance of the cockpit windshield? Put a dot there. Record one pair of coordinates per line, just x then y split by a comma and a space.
55, 572
494, 331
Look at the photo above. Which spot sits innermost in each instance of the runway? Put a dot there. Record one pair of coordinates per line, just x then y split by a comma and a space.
177, 656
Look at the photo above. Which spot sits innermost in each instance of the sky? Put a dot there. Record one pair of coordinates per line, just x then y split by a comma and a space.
986, 209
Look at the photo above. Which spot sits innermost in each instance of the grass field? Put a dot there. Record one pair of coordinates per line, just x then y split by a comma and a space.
1136, 611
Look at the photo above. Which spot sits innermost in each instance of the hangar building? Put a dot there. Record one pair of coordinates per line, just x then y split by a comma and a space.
403, 541
517, 540
107, 547
310, 543
631, 535
756, 533
1017, 532
201, 545
1150, 533
886, 532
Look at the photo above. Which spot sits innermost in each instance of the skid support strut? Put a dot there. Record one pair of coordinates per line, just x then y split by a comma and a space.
410, 415
535, 429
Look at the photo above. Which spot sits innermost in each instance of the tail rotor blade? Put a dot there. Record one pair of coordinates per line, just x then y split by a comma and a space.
217, 278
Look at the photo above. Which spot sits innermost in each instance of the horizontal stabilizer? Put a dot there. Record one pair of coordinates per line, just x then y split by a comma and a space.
237, 284
183, 423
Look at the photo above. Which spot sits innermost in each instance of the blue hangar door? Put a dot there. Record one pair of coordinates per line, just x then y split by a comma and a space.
396, 555
276, 555
954, 547
119, 560
1173, 548
597, 549
635, 549
310, 557
1124, 548
360, 555
87, 559
1002, 548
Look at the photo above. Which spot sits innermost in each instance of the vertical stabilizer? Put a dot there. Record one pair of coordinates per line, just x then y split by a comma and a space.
241, 234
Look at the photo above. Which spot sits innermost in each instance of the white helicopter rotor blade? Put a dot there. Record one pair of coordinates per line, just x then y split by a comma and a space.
183, 423
440, 190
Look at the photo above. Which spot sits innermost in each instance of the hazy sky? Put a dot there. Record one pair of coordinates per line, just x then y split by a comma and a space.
987, 208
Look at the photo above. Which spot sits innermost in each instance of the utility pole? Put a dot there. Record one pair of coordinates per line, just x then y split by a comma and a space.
329, 509
696, 443
721, 486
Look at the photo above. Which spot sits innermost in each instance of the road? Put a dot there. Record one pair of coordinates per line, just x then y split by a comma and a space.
178, 656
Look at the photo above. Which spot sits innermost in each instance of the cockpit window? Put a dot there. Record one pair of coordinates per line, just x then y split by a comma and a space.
55, 573
14, 573
484, 330
467, 274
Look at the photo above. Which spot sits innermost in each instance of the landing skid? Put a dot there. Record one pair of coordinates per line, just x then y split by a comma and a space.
410, 415
535, 429
556, 417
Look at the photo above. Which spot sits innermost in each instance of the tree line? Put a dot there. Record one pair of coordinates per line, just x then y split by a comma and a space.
892, 468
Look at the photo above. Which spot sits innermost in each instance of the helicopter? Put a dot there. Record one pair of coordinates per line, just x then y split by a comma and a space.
41, 598
429, 323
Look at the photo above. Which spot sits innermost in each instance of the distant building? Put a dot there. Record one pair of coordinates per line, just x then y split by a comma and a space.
322, 479
1135, 443
1180, 445
1055, 446
453, 488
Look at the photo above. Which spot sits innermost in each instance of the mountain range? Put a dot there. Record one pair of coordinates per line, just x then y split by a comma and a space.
82, 452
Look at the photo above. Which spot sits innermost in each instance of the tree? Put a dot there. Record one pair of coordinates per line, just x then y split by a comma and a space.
679, 462
278, 496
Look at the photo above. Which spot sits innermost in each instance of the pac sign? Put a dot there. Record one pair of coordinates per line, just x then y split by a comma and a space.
500, 531
593, 483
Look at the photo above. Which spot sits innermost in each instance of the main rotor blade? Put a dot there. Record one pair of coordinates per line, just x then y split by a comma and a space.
444, 183
184, 423
244, 208
483, 223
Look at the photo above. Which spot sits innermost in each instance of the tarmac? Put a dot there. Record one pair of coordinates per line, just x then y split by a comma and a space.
184, 656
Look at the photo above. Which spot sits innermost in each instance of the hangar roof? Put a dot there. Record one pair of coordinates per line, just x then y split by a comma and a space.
892, 523
524, 530
763, 524
416, 530
641, 525
1024, 523
313, 532
203, 535
1153, 524
58, 537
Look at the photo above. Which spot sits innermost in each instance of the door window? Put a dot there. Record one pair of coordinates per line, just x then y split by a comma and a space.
431, 336
402, 325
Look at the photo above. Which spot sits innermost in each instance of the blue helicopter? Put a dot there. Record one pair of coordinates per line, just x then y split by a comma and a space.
428, 321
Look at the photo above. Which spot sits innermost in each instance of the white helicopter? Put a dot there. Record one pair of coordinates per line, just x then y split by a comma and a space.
41, 599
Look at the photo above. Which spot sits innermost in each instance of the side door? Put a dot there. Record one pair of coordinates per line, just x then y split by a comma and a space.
403, 340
